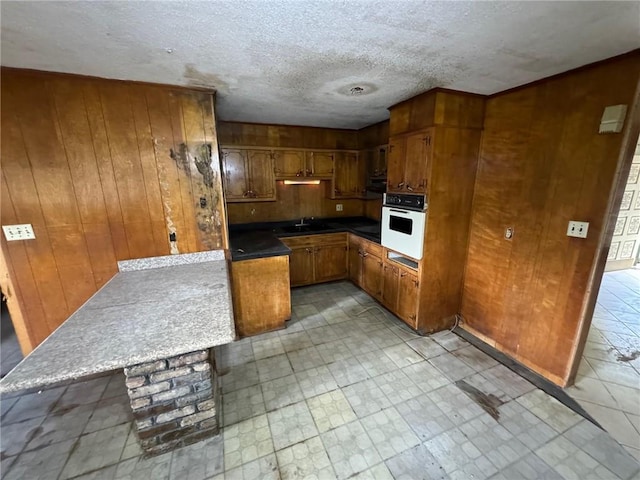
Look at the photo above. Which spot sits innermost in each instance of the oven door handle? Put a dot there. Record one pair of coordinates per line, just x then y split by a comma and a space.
399, 211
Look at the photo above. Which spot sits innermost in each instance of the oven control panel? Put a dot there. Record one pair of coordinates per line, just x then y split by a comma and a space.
414, 202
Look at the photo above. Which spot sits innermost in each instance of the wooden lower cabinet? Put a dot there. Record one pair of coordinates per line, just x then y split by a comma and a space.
317, 258
355, 259
390, 286
365, 265
408, 298
301, 266
330, 262
261, 294
372, 275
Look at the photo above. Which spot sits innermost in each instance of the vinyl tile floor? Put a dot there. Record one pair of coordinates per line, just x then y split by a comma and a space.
345, 391
608, 381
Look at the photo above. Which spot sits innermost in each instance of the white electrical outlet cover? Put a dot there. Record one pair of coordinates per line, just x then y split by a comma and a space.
577, 229
18, 232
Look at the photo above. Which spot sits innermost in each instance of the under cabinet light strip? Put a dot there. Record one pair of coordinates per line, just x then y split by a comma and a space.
302, 182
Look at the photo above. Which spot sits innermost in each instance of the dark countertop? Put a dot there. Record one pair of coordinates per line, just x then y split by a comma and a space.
261, 240
256, 244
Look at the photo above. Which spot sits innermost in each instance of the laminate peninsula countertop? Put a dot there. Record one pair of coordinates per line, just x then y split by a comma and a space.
153, 308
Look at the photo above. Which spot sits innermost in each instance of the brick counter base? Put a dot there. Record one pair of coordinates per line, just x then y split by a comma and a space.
174, 401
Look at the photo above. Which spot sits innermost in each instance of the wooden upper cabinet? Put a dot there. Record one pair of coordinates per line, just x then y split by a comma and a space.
395, 164
234, 171
408, 298
289, 164
376, 161
319, 164
348, 178
261, 179
409, 162
418, 156
248, 175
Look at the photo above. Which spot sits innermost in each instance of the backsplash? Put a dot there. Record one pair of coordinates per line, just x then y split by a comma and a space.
294, 202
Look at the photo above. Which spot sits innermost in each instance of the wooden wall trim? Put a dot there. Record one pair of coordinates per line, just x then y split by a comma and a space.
45, 73
523, 361
573, 71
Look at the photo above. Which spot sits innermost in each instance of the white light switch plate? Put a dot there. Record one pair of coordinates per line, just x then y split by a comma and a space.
18, 232
338, 207
577, 229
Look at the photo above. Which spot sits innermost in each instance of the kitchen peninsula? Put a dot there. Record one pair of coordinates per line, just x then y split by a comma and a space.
270, 257
159, 318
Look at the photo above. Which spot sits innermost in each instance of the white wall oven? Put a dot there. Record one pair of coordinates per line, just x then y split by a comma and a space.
403, 221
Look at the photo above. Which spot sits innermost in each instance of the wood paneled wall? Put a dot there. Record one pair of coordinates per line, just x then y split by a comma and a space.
439, 106
542, 163
104, 171
286, 136
294, 202
373, 135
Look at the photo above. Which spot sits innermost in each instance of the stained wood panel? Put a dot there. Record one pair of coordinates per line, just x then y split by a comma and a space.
542, 163
294, 201
373, 135
89, 163
263, 135
451, 182
437, 107
261, 294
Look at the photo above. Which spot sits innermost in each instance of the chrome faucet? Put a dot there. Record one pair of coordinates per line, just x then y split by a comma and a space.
301, 224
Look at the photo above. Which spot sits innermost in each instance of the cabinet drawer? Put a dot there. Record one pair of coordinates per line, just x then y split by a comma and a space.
372, 248
313, 240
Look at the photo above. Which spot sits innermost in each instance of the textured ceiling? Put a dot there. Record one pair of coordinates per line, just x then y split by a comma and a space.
294, 62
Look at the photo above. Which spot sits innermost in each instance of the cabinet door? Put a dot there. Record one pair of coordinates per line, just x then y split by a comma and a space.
372, 275
236, 186
261, 180
320, 164
355, 260
301, 266
375, 161
330, 262
408, 298
359, 176
390, 287
417, 154
346, 180
288, 163
380, 161
395, 165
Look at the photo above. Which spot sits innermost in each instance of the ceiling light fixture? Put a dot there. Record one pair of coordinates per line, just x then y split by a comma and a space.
168, 50
302, 182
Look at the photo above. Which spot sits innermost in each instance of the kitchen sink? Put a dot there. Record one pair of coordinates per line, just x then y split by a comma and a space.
312, 227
